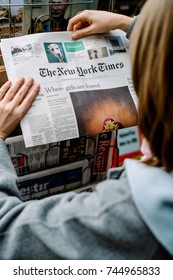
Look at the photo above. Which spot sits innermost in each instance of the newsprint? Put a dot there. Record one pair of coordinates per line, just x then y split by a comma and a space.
86, 84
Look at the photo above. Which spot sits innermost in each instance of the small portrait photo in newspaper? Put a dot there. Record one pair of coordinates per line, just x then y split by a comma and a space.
115, 44
98, 53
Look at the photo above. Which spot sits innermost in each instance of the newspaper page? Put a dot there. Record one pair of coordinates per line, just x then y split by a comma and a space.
86, 85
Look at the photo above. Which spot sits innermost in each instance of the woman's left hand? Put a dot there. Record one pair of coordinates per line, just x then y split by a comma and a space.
15, 100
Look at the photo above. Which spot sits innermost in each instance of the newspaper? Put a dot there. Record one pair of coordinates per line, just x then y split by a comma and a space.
33, 159
86, 85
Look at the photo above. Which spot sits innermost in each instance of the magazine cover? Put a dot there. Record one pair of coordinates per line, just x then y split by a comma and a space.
128, 140
52, 15
34, 12
54, 181
28, 160
102, 159
72, 150
46, 16
11, 18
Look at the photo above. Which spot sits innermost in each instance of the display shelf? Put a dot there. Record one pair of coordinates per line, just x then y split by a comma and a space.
27, 11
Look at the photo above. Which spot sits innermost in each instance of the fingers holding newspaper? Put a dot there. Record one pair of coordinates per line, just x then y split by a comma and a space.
15, 100
91, 22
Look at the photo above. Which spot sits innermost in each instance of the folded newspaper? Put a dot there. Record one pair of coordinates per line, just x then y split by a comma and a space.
86, 85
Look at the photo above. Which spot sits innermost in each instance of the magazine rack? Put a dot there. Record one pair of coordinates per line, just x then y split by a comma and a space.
10, 23
91, 155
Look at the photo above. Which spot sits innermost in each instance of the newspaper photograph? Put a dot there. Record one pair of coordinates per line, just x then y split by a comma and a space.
86, 85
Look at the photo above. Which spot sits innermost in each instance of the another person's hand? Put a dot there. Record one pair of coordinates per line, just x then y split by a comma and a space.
92, 22
14, 103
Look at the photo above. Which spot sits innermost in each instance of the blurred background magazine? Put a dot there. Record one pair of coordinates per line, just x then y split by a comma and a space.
33, 15
46, 16
11, 18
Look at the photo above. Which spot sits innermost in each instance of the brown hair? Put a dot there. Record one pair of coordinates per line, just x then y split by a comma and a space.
151, 49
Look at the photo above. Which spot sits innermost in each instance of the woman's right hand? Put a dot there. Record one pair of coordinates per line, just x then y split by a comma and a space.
93, 22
